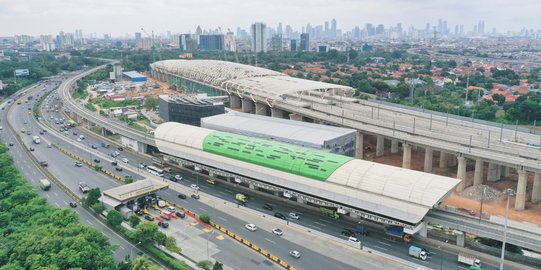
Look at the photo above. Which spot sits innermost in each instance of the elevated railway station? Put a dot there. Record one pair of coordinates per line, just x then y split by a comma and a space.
360, 189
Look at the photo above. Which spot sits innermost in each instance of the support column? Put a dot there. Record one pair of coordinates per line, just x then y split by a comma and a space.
459, 238
428, 159
478, 174
424, 230
275, 112
452, 160
300, 200
536, 190
492, 174
359, 145
461, 173
520, 200
296, 117
406, 157
247, 105
443, 160
234, 101
261, 108
394, 146
505, 171
379, 146
251, 186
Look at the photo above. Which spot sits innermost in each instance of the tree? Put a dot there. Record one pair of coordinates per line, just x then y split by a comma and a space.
205, 218
98, 208
114, 218
217, 266
143, 263
171, 244
128, 179
145, 232
92, 197
151, 103
134, 221
205, 264
498, 99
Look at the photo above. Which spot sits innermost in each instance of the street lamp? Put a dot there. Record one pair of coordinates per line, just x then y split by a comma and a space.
131, 250
440, 248
481, 207
508, 192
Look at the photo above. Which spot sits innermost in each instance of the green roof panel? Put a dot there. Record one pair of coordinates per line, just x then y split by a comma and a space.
293, 159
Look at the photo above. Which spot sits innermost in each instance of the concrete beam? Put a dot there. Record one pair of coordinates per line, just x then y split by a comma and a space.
261, 108
536, 190
359, 145
520, 200
394, 146
380, 146
493, 173
275, 112
478, 174
296, 117
234, 101
406, 157
428, 160
461, 173
443, 160
247, 105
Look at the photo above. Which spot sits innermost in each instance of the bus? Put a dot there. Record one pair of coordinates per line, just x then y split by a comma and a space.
155, 171
72, 123
157, 161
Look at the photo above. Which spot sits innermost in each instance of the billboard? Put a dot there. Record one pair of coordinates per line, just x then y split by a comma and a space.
22, 72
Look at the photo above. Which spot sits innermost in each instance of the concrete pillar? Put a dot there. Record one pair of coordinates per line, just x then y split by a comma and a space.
459, 238
275, 112
478, 174
261, 108
536, 190
406, 157
492, 173
300, 200
380, 146
443, 160
276, 193
359, 145
394, 146
234, 101
251, 186
247, 105
452, 160
424, 230
212, 175
296, 117
520, 200
505, 171
461, 173
428, 160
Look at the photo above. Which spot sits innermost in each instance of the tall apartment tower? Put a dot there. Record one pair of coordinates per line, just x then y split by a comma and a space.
305, 42
259, 40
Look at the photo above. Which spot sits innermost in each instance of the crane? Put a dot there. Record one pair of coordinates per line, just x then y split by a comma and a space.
155, 46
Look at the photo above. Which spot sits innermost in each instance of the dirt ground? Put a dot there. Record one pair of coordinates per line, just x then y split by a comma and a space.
532, 213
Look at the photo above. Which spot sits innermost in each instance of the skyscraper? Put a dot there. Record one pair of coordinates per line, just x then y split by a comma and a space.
277, 42
259, 40
211, 42
137, 35
293, 45
333, 28
305, 42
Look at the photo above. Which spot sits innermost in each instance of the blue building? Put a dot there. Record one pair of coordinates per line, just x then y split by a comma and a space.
135, 76
211, 42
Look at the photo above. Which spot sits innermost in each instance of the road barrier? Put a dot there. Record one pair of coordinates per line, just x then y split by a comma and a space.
254, 247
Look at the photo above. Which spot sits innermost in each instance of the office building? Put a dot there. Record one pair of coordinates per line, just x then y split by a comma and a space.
259, 40
189, 109
211, 42
187, 42
293, 45
305, 42
277, 43
137, 35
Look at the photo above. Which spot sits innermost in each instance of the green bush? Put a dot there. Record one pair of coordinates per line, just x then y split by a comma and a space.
166, 259
205, 218
114, 218
134, 221
98, 208
205, 264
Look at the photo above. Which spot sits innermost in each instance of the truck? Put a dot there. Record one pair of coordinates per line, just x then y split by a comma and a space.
468, 259
397, 232
44, 184
36, 139
125, 211
329, 212
104, 144
417, 252
241, 198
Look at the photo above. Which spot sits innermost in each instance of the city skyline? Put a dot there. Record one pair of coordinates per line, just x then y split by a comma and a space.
118, 17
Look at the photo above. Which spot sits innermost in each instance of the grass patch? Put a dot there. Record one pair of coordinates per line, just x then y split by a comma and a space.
106, 104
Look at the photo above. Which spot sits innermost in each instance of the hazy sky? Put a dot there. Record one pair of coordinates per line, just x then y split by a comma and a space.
118, 17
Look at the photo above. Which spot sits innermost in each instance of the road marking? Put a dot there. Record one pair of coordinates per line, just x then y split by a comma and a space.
58, 205
270, 240
221, 192
385, 244
201, 209
326, 221
315, 227
55, 194
90, 222
207, 230
220, 237
47, 194
318, 223
194, 223
122, 247
222, 218
382, 248
65, 202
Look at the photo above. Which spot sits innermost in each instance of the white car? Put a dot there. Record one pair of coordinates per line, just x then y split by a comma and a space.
125, 160
171, 209
353, 240
194, 187
250, 227
277, 231
178, 177
79, 140
295, 254
294, 215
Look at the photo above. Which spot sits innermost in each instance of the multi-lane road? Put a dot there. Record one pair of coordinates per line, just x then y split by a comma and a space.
314, 254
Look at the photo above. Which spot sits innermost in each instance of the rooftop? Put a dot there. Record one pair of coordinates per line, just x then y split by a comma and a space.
134, 190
